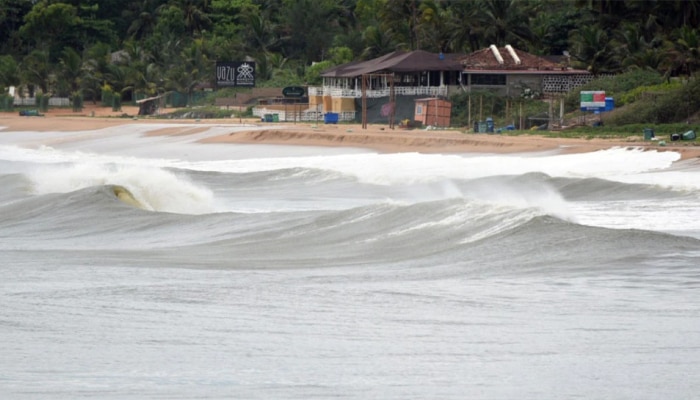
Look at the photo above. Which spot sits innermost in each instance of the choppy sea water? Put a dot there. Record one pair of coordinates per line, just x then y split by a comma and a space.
155, 267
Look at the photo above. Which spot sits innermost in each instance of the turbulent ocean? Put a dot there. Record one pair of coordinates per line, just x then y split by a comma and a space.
154, 267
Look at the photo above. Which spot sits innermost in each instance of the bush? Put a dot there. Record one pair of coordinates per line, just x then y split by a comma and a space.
77, 101
614, 86
660, 108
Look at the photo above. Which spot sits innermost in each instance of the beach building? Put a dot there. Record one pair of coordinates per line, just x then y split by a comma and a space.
397, 78
513, 72
401, 78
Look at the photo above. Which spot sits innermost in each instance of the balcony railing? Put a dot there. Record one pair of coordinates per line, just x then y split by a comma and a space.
398, 91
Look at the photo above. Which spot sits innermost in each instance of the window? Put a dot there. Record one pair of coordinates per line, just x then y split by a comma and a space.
488, 79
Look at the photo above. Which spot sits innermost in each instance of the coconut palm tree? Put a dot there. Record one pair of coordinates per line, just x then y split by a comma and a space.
590, 47
36, 71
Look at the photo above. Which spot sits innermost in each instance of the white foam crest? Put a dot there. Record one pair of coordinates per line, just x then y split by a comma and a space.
50, 155
542, 197
409, 168
155, 189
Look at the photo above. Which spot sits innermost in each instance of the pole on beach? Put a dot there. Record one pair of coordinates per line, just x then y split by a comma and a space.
392, 101
520, 126
364, 101
469, 111
481, 108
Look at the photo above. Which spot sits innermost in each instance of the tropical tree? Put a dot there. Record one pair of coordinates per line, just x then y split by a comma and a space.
434, 34
195, 15
505, 23
11, 19
591, 48
9, 72
685, 54
309, 27
401, 17
466, 27
378, 42
71, 73
143, 17
191, 71
36, 71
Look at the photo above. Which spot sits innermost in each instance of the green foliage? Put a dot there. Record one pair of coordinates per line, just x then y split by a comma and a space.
76, 99
42, 102
107, 97
6, 102
313, 73
172, 44
200, 113
660, 108
9, 72
484, 104
652, 90
340, 55
614, 85
661, 131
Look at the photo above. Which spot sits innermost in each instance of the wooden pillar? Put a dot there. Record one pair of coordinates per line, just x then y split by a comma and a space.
392, 101
364, 101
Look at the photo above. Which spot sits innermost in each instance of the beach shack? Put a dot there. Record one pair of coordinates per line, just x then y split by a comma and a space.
397, 78
433, 111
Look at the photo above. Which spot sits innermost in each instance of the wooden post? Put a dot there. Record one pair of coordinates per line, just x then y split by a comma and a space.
469, 112
561, 111
520, 127
481, 108
364, 101
392, 101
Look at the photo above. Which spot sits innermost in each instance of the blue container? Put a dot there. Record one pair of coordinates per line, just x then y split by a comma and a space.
489, 125
330, 118
609, 104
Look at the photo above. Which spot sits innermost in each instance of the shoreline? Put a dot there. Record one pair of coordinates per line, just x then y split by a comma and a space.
376, 137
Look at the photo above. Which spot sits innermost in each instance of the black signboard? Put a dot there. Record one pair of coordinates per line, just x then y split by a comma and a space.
293, 91
235, 74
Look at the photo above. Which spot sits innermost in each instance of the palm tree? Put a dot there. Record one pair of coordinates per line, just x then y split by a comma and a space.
434, 34
378, 42
590, 46
9, 72
466, 26
191, 71
143, 19
71, 71
505, 23
36, 71
401, 18
685, 54
196, 14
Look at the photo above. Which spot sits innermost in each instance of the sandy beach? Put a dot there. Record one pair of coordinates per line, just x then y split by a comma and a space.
377, 137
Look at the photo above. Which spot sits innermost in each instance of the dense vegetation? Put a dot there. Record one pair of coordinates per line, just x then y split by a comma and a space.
87, 49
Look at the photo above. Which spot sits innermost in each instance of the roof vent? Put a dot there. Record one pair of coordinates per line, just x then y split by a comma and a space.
512, 53
496, 53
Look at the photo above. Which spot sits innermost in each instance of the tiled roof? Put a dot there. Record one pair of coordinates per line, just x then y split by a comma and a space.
487, 59
484, 61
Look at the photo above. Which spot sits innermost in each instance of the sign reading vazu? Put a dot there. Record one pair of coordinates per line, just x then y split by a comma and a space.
235, 74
